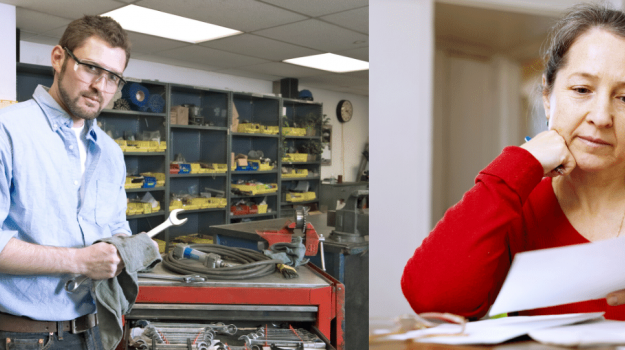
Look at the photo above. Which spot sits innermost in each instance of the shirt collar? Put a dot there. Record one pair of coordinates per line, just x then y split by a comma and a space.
56, 115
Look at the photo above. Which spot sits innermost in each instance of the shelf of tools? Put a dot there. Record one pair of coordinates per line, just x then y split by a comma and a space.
198, 172
254, 179
300, 163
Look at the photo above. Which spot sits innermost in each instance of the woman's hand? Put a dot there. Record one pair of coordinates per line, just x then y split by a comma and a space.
616, 298
551, 150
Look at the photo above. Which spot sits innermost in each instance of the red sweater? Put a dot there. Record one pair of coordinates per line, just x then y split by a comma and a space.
461, 266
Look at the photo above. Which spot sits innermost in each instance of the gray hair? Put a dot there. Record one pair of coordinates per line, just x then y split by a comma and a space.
576, 22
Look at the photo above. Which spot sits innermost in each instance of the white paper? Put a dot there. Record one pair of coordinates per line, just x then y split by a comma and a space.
601, 332
557, 276
494, 331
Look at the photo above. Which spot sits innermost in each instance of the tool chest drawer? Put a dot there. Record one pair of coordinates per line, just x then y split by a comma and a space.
209, 334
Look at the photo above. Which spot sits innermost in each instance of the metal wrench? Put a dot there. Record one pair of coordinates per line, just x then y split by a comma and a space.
181, 278
172, 220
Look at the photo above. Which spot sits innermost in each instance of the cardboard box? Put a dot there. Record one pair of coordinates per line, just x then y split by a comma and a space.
241, 159
235, 119
232, 159
179, 115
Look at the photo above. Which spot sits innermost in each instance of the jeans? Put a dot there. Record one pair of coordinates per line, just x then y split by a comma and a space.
87, 340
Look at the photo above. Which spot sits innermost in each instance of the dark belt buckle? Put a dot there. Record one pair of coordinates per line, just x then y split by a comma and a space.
78, 328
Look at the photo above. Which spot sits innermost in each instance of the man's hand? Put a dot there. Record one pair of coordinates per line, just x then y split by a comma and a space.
616, 298
100, 261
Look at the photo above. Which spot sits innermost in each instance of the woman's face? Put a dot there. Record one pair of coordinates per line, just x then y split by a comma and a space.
587, 103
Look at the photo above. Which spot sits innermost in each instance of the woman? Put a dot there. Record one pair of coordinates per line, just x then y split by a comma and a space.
566, 186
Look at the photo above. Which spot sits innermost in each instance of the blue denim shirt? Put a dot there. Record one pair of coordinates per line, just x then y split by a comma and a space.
40, 177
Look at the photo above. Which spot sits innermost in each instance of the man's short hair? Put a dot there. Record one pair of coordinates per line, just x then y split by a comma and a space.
105, 28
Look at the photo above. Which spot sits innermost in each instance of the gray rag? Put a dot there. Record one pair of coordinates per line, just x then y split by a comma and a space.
116, 296
291, 254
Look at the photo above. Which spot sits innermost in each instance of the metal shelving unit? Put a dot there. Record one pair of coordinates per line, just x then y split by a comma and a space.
265, 111
295, 111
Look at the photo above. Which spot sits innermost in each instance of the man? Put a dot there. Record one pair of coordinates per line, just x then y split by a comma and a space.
61, 189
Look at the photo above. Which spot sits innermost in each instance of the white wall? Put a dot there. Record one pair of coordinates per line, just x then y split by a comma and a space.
346, 151
7, 54
401, 94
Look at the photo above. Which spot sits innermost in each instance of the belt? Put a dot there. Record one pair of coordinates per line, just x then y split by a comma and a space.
12, 323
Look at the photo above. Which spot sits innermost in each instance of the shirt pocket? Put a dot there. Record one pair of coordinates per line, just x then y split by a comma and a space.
106, 202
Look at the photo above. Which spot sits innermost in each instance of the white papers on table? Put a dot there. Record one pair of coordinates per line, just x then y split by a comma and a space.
594, 333
563, 275
494, 331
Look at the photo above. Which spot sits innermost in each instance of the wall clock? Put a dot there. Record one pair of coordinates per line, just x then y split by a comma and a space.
344, 111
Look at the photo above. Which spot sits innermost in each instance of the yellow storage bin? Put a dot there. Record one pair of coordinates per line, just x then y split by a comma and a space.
295, 197
300, 172
257, 188
202, 203
143, 146
133, 182
269, 130
294, 131
162, 146
196, 168
175, 205
261, 166
249, 128
216, 168
295, 157
262, 208
136, 208
309, 196
122, 144
215, 202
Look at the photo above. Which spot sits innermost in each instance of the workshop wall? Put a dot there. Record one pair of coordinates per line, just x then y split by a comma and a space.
348, 139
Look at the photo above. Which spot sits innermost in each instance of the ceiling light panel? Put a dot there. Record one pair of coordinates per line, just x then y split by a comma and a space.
330, 62
147, 21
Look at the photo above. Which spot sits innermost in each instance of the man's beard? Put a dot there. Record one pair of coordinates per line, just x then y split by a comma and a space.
73, 106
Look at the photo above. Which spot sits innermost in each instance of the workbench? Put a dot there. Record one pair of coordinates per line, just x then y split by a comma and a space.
314, 298
347, 262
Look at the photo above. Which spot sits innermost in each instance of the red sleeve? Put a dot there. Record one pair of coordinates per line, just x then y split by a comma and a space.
461, 265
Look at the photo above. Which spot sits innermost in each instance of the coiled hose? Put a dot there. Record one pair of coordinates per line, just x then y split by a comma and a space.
253, 264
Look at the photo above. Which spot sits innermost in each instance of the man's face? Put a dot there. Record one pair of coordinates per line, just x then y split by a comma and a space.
83, 99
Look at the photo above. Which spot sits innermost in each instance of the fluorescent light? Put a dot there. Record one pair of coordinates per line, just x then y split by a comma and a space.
153, 22
330, 62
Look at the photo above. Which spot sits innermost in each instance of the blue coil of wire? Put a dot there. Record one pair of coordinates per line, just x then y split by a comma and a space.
136, 94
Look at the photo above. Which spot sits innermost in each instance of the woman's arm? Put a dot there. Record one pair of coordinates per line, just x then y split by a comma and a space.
461, 265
